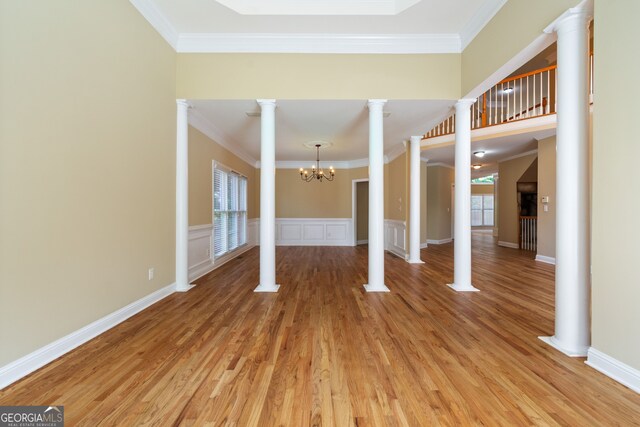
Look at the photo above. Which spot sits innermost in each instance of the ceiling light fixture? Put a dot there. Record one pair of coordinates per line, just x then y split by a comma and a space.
476, 166
316, 170
479, 154
508, 89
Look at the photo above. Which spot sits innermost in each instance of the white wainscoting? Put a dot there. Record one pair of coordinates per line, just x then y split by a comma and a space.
200, 244
395, 237
314, 231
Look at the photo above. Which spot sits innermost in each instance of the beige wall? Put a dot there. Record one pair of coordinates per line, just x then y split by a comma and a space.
547, 187
87, 166
616, 277
362, 210
396, 198
510, 172
317, 76
202, 151
513, 28
439, 180
481, 189
298, 199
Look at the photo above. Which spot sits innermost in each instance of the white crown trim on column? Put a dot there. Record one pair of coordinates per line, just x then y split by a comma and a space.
199, 122
150, 12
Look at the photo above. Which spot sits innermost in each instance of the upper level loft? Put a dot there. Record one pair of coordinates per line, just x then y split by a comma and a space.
523, 96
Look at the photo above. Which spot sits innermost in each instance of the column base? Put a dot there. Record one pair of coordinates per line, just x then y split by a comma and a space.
267, 288
415, 261
465, 288
378, 288
553, 342
184, 288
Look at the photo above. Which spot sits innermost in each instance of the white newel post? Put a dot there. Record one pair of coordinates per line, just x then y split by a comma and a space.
414, 200
376, 198
572, 333
462, 223
182, 196
267, 197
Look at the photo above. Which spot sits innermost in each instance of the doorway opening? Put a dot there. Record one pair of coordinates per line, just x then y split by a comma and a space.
360, 211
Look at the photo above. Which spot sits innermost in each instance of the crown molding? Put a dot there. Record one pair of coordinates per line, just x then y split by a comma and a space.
517, 156
317, 43
199, 122
444, 165
395, 152
478, 21
150, 12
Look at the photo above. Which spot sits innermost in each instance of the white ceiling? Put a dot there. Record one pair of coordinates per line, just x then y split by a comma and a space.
356, 26
343, 123
496, 150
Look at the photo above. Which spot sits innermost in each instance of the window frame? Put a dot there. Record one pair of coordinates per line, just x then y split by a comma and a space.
238, 211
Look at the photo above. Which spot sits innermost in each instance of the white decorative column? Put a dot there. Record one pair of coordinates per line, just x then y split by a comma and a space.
573, 282
414, 200
267, 197
182, 197
462, 224
376, 198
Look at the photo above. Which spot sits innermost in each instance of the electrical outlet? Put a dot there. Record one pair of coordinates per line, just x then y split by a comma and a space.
151, 273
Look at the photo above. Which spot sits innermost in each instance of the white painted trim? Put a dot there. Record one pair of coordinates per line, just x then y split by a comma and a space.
613, 368
508, 245
424, 245
444, 165
207, 266
483, 15
201, 123
395, 152
157, 20
314, 232
517, 156
395, 238
44, 355
546, 259
318, 43
362, 242
439, 242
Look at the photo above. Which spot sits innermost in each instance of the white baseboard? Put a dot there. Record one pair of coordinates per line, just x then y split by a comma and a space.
27, 364
508, 245
613, 368
206, 267
546, 259
362, 242
424, 245
439, 242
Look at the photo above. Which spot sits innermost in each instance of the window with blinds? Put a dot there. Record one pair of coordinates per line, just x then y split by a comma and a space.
481, 210
229, 210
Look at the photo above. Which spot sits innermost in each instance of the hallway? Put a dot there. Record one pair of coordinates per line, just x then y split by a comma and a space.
323, 352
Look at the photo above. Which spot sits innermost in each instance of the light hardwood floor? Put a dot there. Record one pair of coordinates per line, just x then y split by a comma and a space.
324, 352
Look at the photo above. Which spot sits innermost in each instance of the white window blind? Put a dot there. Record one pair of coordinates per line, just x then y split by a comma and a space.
229, 210
482, 210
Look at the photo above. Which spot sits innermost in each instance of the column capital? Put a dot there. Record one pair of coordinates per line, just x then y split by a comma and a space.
416, 139
465, 102
266, 102
579, 15
376, 103
183, 102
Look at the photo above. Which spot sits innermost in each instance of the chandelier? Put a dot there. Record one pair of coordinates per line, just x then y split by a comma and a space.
316, 170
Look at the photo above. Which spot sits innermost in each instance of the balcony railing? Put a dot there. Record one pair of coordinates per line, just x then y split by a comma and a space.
520, 97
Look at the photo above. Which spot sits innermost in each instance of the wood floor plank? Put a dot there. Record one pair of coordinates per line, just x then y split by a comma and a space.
324, 352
